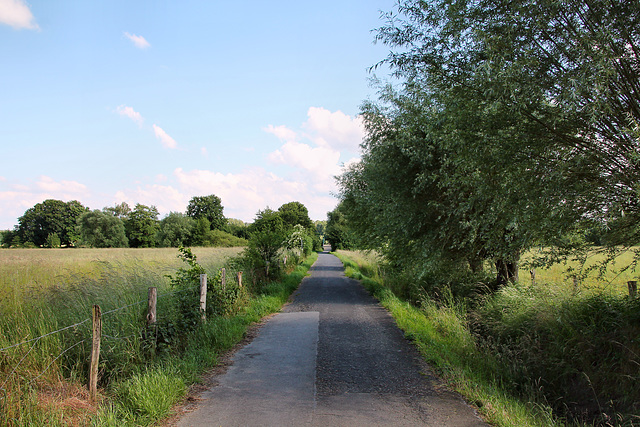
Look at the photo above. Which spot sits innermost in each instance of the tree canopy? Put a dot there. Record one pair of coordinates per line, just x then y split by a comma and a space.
48, 218
102, 230
293, 213
209, 207
141, 226
515, 123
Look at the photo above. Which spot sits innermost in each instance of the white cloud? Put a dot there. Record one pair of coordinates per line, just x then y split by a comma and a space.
164, 197
139, 41
66, 188
281, 132
317, 161
320, 164
244, 194
337, 130
131, 113
16, 13
164, 138
204, 152
20, 197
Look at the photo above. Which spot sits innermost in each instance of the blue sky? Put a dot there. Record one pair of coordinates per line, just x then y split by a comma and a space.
155, 102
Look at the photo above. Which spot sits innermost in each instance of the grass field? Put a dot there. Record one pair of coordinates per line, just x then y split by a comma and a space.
614, 280
45, 290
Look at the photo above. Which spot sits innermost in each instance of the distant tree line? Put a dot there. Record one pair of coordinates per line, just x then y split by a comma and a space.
54, 223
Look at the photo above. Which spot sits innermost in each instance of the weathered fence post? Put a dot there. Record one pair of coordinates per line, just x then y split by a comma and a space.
203, 296
239, 279
533, 276
633, 288
95, 353
224, 279
151, 307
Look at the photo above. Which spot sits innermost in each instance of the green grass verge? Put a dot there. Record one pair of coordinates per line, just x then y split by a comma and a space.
441, 335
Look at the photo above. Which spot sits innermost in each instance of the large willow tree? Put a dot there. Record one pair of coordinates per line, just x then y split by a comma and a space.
516, 124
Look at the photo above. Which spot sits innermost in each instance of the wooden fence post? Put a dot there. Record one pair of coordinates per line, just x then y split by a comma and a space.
239, 279
95, 353
633, 288
151, 334
203, 296
533, 276
151, 307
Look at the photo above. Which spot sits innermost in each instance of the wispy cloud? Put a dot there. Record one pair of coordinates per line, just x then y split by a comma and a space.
164, 138
139, 41
66, 188
17, 14
282, 132
131, 113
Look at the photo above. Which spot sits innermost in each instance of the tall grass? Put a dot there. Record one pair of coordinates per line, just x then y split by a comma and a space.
47, 290
527, 355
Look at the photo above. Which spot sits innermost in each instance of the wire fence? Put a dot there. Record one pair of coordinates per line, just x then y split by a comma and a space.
114, 337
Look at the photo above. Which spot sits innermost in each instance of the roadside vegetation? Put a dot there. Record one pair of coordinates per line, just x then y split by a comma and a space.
45, 320
541, 354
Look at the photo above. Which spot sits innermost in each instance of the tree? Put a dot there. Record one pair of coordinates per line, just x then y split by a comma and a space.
6, 236
53, 241
320, 227
121, 210
102, 230
142, 226
50, 217
175, 230
570, 69
237, 227
209, 207
293, 213
200, 233
337, 231
268, 234
499, 138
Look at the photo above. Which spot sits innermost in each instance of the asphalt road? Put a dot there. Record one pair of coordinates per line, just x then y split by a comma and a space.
333, 357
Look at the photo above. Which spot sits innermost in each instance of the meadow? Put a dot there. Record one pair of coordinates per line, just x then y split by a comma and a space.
46, 297
543, 354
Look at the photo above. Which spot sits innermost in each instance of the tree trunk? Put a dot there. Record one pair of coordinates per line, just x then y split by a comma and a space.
475, 264
507, 272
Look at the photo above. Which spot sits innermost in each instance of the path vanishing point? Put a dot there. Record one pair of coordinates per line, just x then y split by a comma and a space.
332, 357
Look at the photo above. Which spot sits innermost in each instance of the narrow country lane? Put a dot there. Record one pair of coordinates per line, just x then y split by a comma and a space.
333, 357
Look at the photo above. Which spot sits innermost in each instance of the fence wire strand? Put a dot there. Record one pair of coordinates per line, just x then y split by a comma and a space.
45, 335
35, 340
19, 363
58, 357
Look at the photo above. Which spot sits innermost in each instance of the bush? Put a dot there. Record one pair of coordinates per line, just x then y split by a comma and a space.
578, 354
